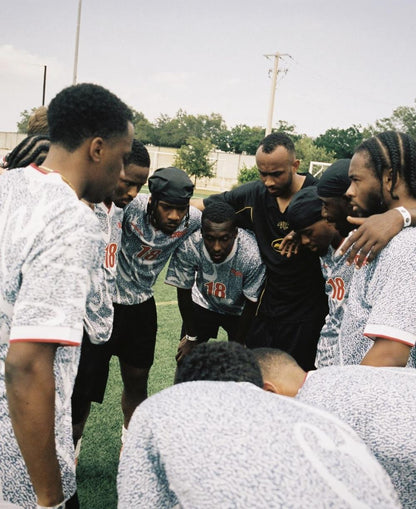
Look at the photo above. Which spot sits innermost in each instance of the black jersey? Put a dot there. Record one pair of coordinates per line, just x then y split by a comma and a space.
294, 289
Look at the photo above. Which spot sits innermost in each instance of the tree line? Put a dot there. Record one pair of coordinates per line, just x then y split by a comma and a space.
196, 135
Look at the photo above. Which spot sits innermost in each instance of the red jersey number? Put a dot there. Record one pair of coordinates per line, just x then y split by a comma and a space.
147, 253
338, 288
216, 289
110, 255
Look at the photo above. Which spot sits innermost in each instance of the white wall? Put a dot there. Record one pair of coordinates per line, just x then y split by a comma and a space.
226, 165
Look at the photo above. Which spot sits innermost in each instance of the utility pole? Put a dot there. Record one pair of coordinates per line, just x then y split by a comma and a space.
74, 80
45, 67
273, 89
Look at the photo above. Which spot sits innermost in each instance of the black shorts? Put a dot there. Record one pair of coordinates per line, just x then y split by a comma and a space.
91, 379
133, 341
208, 322
134, 333
298, 339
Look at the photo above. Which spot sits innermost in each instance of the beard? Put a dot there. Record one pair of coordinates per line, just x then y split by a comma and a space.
374, 204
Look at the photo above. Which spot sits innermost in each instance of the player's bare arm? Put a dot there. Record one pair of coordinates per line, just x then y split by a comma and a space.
30, 387
186, 309
386, 353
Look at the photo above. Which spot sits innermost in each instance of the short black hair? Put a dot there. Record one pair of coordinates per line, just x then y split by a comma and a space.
84, 111
274, 140
32, 149
219, 212
270, 359
392, 150
219, 361
138, 155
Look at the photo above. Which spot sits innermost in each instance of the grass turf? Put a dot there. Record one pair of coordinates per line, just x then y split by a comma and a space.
98, 462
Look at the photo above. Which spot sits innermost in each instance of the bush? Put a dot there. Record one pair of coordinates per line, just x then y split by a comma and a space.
248, 174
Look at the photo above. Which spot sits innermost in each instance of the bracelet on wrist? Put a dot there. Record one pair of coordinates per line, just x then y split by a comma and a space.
407, 218
191, 338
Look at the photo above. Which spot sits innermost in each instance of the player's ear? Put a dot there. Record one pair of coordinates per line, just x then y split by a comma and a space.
270, 387
296, 165
388, 179
96, 148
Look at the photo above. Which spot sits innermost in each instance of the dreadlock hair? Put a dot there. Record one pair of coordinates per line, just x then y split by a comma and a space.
138, 155
32, 149
392, 150
219, 212
86, 111
151, 209
220, 361
274, 140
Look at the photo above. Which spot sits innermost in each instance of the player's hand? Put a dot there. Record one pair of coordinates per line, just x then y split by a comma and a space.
290, 245
372, 235
184, 348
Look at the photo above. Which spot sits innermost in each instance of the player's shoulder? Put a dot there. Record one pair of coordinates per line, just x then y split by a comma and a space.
241, 195
138, 206
247, 244
194, 215
250, 190
403, 241
310, 180
192, 245
195, 238
399, 254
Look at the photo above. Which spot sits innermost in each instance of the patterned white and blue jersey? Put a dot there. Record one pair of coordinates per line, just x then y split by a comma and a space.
99, 317
225, 444
337, 275
49, 249
219, 287
145, 250
380, 405
382, 301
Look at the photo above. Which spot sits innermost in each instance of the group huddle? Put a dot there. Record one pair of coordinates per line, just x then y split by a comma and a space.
308, 404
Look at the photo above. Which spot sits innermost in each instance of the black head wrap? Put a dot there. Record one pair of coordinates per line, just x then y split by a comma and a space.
334, 181
171, 185
304, 208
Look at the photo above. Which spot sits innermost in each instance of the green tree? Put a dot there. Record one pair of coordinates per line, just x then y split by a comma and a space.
289, 129
241, 138
174, 132
24, 119
402, 119
247, 174
144, 130
307, 151
193, 158
341, 142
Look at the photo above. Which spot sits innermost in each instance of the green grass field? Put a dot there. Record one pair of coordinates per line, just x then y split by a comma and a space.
97, 467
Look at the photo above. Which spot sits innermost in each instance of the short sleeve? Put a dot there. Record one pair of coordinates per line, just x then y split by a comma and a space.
182, 267
392, 293
55, 281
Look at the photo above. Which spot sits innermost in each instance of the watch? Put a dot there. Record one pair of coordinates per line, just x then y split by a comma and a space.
407, 218
191, 338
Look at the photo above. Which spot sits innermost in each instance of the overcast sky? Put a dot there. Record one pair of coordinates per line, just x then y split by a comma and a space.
350, 62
